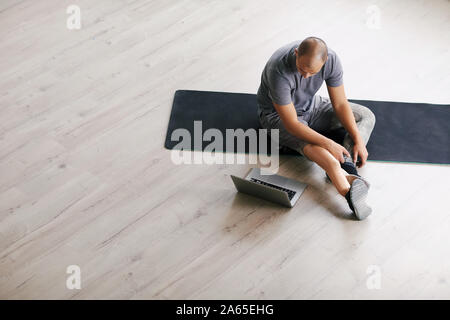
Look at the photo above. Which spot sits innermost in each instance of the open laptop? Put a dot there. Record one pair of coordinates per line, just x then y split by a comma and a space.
274, 187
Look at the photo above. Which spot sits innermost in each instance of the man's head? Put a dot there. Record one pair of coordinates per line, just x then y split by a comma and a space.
311, 55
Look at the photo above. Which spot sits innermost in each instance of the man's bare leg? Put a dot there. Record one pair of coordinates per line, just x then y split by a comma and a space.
340, 179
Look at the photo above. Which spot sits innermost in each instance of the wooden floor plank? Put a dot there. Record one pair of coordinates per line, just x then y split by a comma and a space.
85, 179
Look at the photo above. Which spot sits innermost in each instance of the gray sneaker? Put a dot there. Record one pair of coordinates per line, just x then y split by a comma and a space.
356, 199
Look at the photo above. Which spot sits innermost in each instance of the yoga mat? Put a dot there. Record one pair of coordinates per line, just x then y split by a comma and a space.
404, 132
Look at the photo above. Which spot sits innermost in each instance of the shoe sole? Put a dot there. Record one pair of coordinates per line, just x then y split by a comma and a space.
358, 195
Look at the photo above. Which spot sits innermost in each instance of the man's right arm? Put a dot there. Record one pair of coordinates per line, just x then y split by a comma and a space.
288, 116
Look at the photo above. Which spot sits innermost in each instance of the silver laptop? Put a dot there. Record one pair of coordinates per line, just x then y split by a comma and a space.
274, 187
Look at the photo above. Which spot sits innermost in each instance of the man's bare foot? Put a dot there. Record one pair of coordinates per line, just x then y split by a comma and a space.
350, 178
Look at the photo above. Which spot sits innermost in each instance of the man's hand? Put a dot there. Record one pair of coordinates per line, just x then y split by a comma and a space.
360, 149
337, 150
346, 117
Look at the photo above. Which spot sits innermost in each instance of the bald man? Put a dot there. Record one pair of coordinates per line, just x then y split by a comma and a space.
287, 101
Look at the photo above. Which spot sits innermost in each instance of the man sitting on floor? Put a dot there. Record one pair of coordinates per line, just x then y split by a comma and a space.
287, 101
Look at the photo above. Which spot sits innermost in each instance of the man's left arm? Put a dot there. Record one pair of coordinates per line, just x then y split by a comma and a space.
345, 115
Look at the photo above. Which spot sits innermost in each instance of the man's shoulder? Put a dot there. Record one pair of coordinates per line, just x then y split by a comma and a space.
333, 71
279, 61
332, 54
333, 63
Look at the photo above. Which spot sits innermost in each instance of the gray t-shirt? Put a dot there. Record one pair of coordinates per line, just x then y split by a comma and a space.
282, 83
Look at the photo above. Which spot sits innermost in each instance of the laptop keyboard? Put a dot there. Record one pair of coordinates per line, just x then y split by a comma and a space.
290, 193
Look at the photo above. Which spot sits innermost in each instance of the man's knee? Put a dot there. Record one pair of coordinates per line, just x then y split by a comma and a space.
362, 113
367, 115
371, 117
312, 151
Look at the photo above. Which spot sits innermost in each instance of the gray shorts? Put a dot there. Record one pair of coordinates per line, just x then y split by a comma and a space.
321, 118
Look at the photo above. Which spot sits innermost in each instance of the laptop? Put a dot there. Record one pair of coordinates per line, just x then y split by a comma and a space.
273, 188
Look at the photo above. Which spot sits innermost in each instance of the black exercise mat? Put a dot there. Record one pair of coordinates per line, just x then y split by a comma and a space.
405, 132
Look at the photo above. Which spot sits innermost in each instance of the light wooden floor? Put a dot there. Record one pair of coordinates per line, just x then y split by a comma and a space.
85, 179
